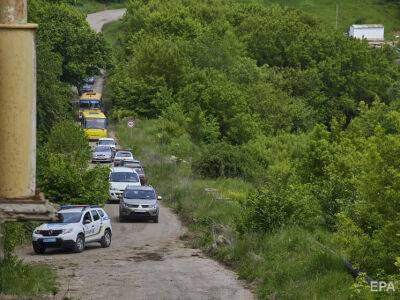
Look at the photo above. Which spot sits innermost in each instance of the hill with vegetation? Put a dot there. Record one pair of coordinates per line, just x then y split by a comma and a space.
350, 12
272, 100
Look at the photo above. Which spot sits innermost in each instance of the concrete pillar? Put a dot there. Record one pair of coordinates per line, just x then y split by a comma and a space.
13, 12
17, 101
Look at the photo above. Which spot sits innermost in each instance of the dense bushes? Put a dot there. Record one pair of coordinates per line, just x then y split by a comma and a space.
307, 115
63, 168
67, 51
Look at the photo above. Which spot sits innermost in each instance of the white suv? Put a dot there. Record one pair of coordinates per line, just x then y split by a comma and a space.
107, 142
120, 178
77, 225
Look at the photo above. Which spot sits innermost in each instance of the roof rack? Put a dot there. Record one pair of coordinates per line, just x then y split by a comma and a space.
83, 206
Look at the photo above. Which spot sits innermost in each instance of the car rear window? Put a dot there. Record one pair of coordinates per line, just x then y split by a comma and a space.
102, 148
124, 154
124, 177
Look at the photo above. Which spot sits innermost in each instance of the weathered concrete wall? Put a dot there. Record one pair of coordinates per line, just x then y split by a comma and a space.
17, 101
13, 11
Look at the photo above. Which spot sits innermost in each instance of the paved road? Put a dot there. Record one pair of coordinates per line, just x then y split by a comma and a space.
145, 260
97, 20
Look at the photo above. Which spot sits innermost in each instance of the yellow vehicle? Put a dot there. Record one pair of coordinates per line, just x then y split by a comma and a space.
94, 124
89, 101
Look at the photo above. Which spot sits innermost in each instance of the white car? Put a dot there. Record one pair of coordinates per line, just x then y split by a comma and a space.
121, 156
120, 178
77, 226
107, 142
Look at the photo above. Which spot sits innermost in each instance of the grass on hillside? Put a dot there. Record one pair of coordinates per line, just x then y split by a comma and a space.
111, 31
350, 12
290, 264
17, 278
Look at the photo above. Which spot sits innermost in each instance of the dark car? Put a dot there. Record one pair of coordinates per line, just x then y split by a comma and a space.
86, 88
137, 166
121, 156
90, 80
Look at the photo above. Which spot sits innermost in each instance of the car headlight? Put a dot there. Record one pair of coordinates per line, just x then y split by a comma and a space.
153, 206
68, 230
36, 231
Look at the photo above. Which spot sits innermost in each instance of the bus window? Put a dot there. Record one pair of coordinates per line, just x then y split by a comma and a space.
89, 104
95, 123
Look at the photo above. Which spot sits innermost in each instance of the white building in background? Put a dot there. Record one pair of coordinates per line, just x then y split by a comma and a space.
371, 32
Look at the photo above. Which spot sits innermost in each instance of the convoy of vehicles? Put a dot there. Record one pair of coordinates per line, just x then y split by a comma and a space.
94, 124
77, 225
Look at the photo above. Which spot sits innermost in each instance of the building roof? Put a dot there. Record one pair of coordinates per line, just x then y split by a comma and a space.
367, 26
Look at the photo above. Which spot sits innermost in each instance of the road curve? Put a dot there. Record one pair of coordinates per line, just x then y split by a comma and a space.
144, 261
99, 19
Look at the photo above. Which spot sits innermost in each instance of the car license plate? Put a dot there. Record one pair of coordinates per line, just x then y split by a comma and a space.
140, 210
49, 240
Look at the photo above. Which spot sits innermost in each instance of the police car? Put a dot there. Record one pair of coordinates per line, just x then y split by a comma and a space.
77, 225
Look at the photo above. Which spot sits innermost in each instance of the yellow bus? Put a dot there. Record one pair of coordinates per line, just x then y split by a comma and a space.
89, 101
94, 124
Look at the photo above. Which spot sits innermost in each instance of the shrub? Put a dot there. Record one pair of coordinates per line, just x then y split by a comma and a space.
220, 160
63, 173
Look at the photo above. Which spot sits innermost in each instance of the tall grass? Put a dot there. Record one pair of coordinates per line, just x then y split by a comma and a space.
17, 278
290, 264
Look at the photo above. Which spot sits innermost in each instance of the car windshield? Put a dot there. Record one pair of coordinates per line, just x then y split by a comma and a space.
106, 142
102, 149
89, 104
140, 194
69, 217
124, 154
124, 177
95, 123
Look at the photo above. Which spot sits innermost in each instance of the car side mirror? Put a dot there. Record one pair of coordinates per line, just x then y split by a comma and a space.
86, 221
159, 198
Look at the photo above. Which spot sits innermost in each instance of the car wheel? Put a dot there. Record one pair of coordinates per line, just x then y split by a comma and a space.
155, 220
79, 244
38, 249
106, 239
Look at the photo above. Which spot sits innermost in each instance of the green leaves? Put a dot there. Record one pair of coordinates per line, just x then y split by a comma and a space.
65, 30
63, 173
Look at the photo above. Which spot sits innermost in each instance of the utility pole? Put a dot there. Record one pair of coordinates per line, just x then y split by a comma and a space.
19, 199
